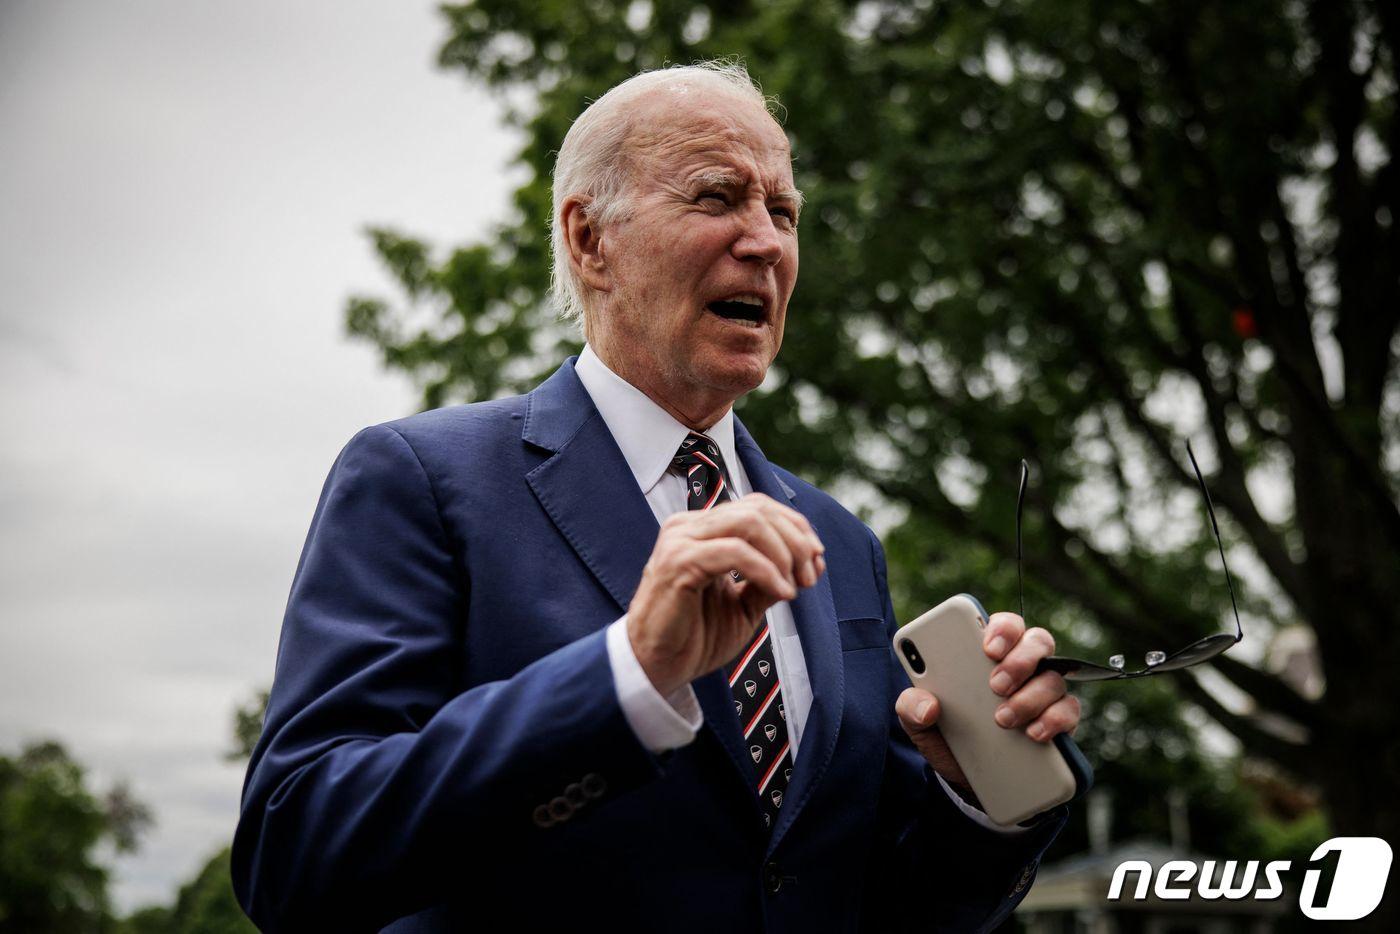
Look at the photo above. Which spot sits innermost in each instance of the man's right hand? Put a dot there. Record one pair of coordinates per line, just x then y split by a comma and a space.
689, 615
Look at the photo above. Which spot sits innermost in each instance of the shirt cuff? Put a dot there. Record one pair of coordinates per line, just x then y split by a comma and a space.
660, 723
973, 814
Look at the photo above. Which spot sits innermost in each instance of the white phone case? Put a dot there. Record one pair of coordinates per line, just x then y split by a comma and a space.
1013, 776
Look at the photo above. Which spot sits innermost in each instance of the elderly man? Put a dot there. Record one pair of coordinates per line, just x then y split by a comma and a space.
584, 658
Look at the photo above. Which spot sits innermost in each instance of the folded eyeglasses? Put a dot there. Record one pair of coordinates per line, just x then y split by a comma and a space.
1157, 662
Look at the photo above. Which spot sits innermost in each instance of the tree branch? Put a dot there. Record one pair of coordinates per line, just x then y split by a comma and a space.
1269, 691
1291, 756
1232, 492
1230, 486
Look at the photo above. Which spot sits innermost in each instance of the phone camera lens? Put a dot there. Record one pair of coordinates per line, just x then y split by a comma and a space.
916, 661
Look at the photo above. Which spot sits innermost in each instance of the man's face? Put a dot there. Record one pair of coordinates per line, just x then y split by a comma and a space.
705, 260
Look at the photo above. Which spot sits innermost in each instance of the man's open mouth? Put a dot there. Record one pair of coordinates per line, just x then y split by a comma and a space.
746, 309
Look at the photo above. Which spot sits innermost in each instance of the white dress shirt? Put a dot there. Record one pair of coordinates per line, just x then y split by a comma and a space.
649, 437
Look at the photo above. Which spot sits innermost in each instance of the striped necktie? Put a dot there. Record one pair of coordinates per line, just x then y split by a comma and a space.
753, 676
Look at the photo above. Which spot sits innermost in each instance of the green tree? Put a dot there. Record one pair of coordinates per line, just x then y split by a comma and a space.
247, 727
1073, 232
51, 826
204, 905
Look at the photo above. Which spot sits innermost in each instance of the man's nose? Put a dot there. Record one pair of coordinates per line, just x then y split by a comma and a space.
760, 238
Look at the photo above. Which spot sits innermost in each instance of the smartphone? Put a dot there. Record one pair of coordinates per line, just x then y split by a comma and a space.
1013, 776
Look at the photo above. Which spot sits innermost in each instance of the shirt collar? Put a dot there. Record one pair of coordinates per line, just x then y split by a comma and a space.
647, 434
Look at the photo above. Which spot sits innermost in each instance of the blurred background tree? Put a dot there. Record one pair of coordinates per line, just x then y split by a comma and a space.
52, 827
247, 726
1077, 233
206, 904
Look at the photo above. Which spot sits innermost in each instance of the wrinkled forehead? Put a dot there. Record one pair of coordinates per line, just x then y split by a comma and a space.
679, 130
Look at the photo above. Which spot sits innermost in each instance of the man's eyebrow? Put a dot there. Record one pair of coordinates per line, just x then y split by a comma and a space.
792, 196
718, 180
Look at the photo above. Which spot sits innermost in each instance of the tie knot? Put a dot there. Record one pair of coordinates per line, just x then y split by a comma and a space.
699, 461
696, 448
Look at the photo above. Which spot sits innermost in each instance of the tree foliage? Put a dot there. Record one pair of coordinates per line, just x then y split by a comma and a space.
51, 826
1078, 233
247, 726
204, 905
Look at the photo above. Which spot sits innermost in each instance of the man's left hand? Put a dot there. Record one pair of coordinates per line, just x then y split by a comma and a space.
1038, 705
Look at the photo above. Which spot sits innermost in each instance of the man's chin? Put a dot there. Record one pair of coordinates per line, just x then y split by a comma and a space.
736, 375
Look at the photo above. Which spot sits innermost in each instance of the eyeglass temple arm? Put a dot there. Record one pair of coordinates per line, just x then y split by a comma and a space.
1051, 662
1219, 545
1020, 504
1060, 663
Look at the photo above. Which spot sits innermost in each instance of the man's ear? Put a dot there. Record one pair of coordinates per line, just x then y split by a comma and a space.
585, 245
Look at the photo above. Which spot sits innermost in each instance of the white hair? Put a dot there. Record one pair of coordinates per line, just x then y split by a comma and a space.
592, 160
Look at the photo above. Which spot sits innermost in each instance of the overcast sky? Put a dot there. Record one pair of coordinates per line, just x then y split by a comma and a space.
182, 192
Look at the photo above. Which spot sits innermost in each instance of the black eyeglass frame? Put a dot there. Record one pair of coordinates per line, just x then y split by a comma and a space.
1202, 650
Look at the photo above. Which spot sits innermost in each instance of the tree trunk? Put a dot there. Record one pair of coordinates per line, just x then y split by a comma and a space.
1360, 782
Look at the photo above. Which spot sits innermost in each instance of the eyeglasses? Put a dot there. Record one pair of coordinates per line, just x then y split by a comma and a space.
1157, 662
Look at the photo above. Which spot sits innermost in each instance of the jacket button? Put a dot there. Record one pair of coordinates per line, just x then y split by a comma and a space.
575, 795
593, 785
772, 878
560, 809
541, 817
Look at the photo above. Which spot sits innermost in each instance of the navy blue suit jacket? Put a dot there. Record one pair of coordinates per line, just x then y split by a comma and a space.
443, 672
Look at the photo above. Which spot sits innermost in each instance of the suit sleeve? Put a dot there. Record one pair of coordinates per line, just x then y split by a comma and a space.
935, 868
377, 777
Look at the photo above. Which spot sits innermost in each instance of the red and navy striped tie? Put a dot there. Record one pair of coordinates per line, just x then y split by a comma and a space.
753, 676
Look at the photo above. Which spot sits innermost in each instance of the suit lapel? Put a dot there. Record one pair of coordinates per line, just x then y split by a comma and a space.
588, 491
814, 612
586, 488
